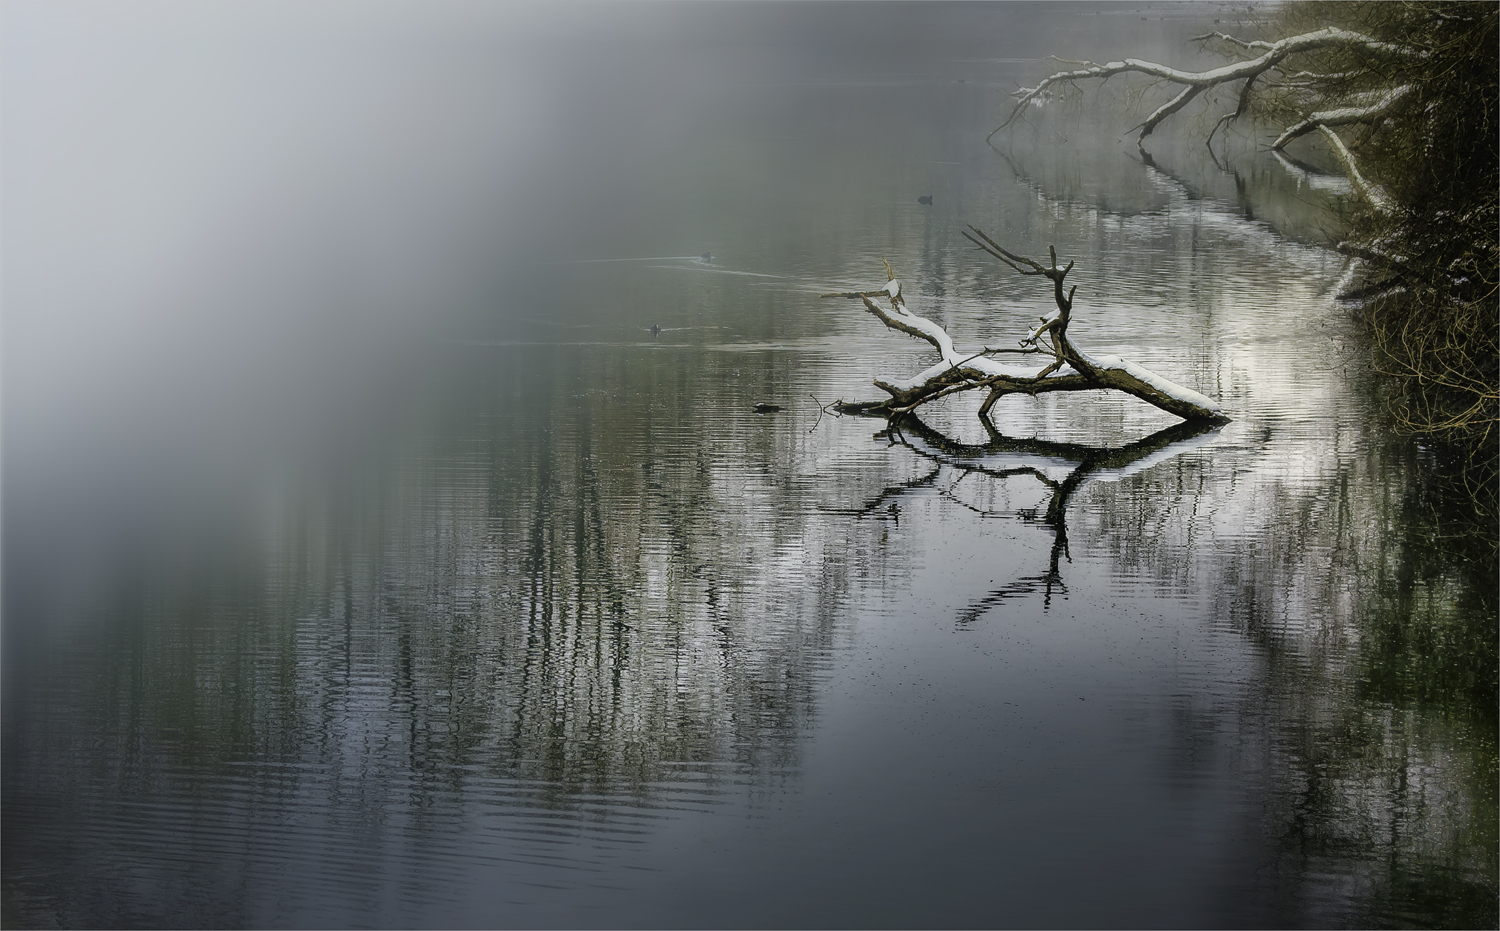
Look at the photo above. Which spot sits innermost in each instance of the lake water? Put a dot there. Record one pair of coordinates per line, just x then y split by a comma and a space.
369, 561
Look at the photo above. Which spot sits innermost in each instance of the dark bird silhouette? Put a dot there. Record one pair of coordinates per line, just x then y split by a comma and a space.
764, 408
655, 329
925, 199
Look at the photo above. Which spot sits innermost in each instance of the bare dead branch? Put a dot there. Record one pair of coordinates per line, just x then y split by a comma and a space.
1166, 110
1071, 369
1194, 83
1250, 45
1342, 116
1371, 192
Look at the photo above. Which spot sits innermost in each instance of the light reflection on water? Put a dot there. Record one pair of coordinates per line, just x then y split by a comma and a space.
563, 632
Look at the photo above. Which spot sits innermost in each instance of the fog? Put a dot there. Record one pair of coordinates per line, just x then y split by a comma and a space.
217, 213
225, 224
218, 217
205, 208
233, 234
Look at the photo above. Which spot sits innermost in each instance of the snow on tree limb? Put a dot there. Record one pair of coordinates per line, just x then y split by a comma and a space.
1271, 55
1071, 369
1274, 53
1167, 109
1343, 116
1373, 193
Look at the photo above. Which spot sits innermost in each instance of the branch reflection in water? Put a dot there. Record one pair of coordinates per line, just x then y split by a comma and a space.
1062, 468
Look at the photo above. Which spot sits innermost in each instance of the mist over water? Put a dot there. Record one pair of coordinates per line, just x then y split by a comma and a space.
390, 537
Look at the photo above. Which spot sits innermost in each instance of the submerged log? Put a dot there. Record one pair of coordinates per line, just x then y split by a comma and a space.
1071, 369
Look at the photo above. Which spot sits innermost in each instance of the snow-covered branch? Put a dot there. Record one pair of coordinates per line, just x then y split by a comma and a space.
957, 370
1343, 116
1195, 82
1371, 192
1370, 108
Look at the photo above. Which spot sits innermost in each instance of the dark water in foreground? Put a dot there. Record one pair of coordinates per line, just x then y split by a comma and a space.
502, 610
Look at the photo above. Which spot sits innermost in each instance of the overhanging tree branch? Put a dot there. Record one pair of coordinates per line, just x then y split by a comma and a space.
1274, 53
1371, 192
1271, 56
1404, 97
1343, 116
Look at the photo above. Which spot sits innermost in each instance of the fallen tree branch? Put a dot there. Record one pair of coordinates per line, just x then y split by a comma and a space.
1071, 369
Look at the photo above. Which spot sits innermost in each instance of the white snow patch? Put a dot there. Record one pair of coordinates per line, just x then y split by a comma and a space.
1169, 388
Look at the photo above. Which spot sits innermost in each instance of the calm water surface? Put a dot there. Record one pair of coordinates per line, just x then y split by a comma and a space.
402, 576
